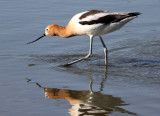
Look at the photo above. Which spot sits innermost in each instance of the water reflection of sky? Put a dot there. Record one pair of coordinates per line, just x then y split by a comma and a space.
134, 59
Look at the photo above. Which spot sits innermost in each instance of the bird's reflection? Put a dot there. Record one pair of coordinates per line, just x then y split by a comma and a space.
87, 102
101, 84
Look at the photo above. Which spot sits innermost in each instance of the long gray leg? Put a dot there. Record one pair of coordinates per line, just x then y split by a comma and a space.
105, 51
85, 57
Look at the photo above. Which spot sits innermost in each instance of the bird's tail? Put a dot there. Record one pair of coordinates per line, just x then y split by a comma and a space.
134, 14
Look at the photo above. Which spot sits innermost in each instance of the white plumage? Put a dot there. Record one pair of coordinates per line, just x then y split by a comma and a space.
100, 28
90, 23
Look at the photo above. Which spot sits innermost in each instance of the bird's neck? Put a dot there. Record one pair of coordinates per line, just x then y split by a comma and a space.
63, 32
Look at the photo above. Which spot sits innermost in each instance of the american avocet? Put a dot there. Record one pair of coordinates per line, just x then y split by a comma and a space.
90, 23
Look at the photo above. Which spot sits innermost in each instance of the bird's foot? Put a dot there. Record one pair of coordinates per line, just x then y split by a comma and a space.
75, 61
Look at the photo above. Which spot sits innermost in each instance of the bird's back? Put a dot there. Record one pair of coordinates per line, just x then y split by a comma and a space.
99, 22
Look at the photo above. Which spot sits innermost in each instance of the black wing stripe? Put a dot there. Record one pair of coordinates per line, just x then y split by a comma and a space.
109, 19
90, 12
126, 16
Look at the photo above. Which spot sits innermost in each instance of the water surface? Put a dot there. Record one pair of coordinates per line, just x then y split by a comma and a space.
32, 82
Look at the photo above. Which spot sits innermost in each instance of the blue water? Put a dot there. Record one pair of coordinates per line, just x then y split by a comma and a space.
32, 82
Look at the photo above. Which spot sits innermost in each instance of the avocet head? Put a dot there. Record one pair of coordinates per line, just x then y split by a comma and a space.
50, 30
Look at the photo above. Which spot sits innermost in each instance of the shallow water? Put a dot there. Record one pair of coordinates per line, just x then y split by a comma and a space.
32, 82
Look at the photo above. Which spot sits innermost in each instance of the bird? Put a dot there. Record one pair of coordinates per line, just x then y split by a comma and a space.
90, 23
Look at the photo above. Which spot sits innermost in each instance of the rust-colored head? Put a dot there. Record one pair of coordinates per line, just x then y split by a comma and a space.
51, 30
